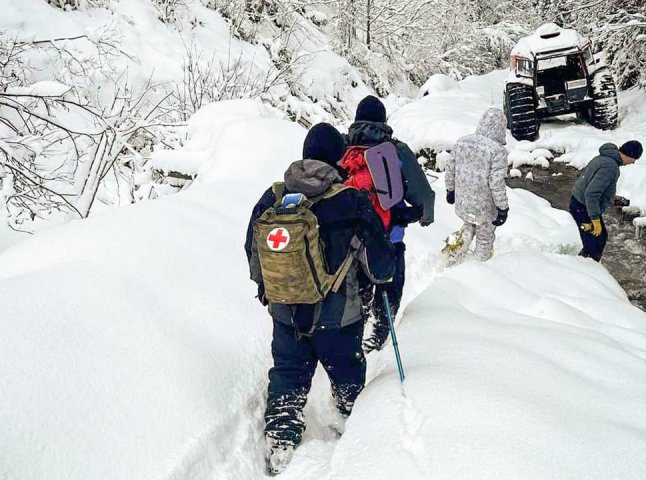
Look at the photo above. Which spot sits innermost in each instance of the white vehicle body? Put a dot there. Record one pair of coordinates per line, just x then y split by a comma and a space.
547, 41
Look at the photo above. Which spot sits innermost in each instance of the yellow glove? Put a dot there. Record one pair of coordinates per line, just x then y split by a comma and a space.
596, 227
586, 227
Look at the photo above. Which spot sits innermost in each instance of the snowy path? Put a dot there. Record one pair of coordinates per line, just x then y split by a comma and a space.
131, 346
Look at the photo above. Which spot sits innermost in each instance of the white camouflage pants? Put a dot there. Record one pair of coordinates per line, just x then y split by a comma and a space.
485, 235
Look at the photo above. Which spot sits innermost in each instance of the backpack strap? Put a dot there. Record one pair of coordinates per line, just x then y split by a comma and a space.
343, 270
334, 189
279, 189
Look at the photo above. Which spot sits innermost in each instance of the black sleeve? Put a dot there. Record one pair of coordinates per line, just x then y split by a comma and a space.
266, 201
418, 191
371, 233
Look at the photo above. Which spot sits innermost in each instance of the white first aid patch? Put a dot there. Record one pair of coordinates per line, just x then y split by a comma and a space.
278, 239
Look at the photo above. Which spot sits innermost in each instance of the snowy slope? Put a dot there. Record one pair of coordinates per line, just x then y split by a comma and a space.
123, 44
529, 366
131, 346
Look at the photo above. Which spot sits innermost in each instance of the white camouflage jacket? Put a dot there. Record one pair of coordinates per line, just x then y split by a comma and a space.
477, 168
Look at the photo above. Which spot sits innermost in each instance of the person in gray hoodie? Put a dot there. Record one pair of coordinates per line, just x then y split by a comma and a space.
475, 183
593, 191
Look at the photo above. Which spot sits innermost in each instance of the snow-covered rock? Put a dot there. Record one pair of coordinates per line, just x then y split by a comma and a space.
436, 84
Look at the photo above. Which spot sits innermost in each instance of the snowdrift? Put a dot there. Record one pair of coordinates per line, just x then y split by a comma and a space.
528, 366
131, 346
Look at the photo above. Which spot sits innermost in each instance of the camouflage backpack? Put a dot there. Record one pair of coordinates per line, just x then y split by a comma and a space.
290, 254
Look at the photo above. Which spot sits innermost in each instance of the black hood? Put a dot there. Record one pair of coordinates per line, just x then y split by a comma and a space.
369, 133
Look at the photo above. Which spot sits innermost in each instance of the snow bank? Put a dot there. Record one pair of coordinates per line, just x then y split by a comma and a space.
225, 139
448, 112
528, 366
632, 184
436, 84
130, 343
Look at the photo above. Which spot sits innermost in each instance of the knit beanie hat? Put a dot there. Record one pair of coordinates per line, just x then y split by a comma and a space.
324, 142
370, 109
632, 149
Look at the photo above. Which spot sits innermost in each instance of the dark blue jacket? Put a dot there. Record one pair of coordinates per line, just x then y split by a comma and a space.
340, 218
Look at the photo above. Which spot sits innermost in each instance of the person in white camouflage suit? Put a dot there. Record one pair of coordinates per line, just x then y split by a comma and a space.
475, 183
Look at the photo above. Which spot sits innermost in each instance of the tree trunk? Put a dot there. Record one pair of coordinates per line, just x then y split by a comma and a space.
368, 19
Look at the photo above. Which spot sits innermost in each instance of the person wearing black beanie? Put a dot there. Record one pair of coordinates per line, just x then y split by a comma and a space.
370, 109
286, 258
325, 143
368, 130
595, 189
631, 151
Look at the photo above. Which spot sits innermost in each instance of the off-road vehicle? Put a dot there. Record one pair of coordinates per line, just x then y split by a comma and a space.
553, 72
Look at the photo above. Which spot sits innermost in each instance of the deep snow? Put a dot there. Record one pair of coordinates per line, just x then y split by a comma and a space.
131, 345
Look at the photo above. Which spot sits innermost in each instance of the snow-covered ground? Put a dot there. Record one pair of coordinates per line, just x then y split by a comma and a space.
131, 346
452, 109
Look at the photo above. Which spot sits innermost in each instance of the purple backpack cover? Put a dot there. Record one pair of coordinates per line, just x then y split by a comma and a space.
385, 170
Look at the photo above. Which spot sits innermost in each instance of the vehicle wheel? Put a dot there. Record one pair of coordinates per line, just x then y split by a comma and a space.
521, 115
505, 108
604, 101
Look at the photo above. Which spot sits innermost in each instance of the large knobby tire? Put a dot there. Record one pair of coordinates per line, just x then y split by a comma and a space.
604, 112
505, 108
521, 112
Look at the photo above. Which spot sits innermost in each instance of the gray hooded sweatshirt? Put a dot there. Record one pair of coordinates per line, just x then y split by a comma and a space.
596, 186
477, 169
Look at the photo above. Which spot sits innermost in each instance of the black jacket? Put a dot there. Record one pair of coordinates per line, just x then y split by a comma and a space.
340, 218
418, 191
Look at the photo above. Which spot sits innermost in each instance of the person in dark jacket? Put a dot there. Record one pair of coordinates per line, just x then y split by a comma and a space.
595, 189
337, 320
370, 129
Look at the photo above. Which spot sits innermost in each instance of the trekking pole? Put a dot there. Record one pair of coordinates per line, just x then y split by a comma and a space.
391, 324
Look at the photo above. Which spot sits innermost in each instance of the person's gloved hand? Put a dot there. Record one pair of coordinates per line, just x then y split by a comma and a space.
595, 228
501, 218
261, 295
405, 215
450, 197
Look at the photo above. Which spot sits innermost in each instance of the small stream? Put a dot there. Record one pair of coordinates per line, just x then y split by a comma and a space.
624, 256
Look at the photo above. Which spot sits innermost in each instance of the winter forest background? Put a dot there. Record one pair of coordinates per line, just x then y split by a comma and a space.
83, 106
131, 342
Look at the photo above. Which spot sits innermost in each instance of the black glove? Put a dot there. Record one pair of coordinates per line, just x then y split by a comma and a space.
405, 215
261, 295
425, 222
501, 218
450, 197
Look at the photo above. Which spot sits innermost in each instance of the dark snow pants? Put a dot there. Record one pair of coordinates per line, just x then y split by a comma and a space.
295, 359
592, 246
372, 297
